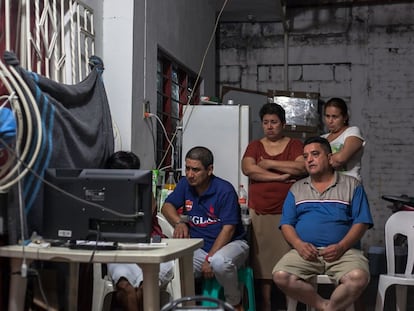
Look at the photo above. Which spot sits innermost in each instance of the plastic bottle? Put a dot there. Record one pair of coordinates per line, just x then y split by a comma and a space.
169, 187
243, 202
170, 183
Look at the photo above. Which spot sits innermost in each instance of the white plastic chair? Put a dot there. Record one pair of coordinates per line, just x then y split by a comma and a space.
166, 227
399, 223
173, 287
318, 280
102, 286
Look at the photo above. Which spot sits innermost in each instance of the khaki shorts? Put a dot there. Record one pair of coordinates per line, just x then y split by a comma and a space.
293, 263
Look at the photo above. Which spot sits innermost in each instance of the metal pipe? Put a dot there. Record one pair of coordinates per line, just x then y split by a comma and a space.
286, 60
145, 52
7, 25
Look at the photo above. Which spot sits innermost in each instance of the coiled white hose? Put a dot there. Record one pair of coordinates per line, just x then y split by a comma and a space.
28, 123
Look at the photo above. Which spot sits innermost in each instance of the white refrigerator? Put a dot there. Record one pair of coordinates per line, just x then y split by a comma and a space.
224, 129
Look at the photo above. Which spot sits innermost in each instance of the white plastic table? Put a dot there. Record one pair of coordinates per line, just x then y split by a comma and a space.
148, 260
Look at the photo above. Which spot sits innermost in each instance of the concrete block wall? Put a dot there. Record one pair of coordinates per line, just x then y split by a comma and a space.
363, 54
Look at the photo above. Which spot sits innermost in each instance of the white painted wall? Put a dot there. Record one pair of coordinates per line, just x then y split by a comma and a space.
181, 28
117, 51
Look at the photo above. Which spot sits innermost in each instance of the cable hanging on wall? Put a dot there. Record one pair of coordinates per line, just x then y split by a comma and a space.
181, 128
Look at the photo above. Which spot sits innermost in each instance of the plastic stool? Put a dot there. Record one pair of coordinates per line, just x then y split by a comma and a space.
211, 288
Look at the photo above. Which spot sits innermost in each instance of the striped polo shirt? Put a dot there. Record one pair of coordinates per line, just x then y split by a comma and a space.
325, 218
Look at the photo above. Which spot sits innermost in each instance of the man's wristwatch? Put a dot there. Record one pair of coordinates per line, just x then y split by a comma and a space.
208, 258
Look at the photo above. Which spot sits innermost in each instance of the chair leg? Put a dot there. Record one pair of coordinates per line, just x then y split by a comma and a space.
174, 286
382, 290
291, 303
212, 288
102, 286
246, 279
401, 297
379, 304
98, 287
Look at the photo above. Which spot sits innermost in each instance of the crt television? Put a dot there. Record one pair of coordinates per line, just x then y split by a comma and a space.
98, 204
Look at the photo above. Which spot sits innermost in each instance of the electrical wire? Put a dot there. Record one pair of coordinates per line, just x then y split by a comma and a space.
7, 97
153, 133
205, 54
170, 144
42, 292
190, 97
98, 234
117, 136
22, 224
101, 207
34, 273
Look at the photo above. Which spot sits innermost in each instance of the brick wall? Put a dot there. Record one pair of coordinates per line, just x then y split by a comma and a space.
362, 54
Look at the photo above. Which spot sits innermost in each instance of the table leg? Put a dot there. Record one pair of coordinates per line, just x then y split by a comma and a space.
151, 287
18, 284
187, 275
73, 286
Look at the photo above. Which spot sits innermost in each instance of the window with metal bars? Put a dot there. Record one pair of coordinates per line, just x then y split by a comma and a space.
175, 89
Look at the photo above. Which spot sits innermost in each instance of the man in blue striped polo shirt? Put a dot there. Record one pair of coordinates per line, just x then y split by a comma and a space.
324, 218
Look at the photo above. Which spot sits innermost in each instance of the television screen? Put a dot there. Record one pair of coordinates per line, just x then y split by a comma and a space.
98, 204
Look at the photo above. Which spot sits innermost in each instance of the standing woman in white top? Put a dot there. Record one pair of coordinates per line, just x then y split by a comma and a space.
346, 141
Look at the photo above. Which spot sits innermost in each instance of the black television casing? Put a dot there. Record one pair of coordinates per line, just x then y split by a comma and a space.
127, 192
